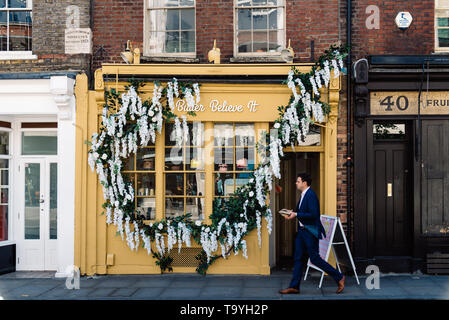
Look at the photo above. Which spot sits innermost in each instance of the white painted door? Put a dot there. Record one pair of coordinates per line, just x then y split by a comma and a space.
37, 217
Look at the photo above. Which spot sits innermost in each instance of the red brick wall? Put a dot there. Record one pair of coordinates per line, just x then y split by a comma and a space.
116, 21
389, 39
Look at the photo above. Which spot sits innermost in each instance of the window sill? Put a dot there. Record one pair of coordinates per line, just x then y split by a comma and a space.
257, 59
6, 243
155, 59
19, 55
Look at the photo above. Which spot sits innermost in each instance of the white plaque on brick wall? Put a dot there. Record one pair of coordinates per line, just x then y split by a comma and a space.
78, 40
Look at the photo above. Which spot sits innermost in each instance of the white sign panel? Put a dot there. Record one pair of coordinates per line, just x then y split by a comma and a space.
404, 20
78, 40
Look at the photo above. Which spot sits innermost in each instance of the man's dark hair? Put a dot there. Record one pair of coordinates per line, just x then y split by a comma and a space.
305, 177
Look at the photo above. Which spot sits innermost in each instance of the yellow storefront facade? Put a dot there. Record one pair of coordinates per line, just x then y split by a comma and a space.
235, 101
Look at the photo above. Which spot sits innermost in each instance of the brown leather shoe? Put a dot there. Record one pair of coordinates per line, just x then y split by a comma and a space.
289, 291
341, 285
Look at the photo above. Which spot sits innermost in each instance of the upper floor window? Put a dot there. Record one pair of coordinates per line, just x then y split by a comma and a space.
259, 27
170, 26
441, 25
15, 25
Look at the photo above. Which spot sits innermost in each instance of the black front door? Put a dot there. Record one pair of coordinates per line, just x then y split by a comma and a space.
392, 216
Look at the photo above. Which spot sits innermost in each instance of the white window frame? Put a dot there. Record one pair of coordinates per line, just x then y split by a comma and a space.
17, 55
259, 54
146, 37
8, 157
441, 11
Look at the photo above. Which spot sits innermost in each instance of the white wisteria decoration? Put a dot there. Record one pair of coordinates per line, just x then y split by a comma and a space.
129, 123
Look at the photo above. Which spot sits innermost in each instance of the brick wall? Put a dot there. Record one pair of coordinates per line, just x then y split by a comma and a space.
389, 39
49, 23
116, 21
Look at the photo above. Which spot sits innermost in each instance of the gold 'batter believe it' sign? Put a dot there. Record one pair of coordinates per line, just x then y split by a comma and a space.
406, 103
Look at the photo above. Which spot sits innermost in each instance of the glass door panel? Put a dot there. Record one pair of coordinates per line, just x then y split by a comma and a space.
32, 200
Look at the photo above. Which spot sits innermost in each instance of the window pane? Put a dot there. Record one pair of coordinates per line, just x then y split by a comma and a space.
260, 43
223, 159
274, 2
188, 41
4, 143
39, 143
443, 3
4, 177
242, 3
174, 207
224, 184
242, 179
32, 198
276, 40
163, 3
172, 42
244, 41
174, 184
128, 164
174, 158
20, 31
195, 206
244, 159
224, 134
3, 31
172, 19
195, 157
145, 158
170, 134
259, 2
275, 18
2, 3
145, 184
158, 20
244, 19
244, 134
147, 208
4, 196
187, 19
196, 133
186, 2
195, 184
53, 201
260, 19
382, 131
443, 37
3, 223
17, 3
443, 22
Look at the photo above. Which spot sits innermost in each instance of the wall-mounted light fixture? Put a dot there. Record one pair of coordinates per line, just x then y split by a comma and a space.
130, 56
214, 54
288, 54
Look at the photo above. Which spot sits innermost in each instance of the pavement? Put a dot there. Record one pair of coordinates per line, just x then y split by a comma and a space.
23, 285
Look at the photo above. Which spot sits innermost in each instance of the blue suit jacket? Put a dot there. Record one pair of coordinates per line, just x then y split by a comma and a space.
309, 214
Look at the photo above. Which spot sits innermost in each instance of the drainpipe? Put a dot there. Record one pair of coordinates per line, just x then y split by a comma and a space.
349, 114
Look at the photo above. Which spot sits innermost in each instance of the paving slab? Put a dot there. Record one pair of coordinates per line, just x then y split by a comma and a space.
147, 293
181, 293
216, 292
179, 283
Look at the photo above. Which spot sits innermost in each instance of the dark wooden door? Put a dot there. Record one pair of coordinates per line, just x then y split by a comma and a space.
392, 199
435, 177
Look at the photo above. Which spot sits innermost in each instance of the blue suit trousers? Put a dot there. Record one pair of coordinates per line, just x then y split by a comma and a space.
307, 243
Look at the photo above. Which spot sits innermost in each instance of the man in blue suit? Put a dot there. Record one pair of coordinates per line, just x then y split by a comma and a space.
309, 232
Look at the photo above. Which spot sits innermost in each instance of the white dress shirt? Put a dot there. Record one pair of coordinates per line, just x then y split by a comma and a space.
299, 206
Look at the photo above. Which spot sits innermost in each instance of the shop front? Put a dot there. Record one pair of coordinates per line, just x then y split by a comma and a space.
238, 106
37, 168
401, 162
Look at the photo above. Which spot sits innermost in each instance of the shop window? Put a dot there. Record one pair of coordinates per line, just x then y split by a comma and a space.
39, 143
15, 25
140, 170
234, 157
389, 131
259, 27
184, 172
170, 26
442, 25
4, 184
